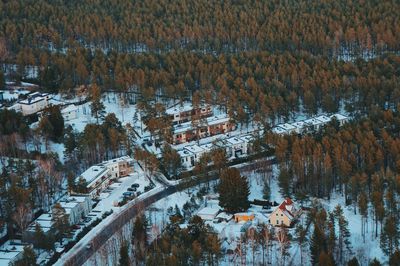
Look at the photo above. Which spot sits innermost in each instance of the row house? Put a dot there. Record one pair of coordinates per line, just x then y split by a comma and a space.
184, 113
213, 126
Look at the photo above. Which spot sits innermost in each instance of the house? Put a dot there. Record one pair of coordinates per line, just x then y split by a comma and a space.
279, 131
342, 119
184, 132
219, 124
313, 123
300, 127
97, 178
243, 217
45, 223
288, 127
247, 147
120, 167
187, 158
70, 112
208, 213
285, 214
184, 113
235, 147
196, 151
76, 207
11, 251
223, 217
34, 103
324, 119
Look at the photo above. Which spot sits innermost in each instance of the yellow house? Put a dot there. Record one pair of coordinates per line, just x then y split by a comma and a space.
284, 214
243, 217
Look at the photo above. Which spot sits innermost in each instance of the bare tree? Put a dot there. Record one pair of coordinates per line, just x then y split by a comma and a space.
283, 241
22, 216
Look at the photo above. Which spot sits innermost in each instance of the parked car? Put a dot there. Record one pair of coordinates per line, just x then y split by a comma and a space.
131, 189
136, 185
127, 194
75, 226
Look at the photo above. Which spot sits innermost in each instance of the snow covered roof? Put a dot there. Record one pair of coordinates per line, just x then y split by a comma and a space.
279, 130
177, 109
234, 140
218, 119
323, 119
185, 153
68, 205
93, 173
299, 124
195, 149
35, 97
208, 211
182, 127
287, 126
10, 250
122, 159
339, 117
287, 207
247, 138
313, 121
207, 147
69, 108
224, 215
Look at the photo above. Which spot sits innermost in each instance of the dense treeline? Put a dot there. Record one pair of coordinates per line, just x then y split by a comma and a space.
228, 26
255, 85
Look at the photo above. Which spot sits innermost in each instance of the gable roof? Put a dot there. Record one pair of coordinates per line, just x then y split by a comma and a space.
287, 207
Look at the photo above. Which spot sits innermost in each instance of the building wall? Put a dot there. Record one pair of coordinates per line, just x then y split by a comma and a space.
243, 217
279, 218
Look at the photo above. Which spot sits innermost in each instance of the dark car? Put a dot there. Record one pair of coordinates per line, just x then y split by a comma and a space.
136, 185
131, 189
127, 194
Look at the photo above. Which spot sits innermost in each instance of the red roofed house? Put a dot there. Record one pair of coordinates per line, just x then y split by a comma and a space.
285, 214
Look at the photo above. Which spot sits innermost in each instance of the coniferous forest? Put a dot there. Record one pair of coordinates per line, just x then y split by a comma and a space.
261, 62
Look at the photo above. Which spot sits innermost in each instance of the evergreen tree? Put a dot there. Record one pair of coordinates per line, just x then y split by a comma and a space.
124, 255
139, 238
266, 191
317, 244
394, 259
353, 262
375, 262
233, 191
57, 122
389, 236
344, 233
97, 107
2, 80
60, 222
171, 160
28, 258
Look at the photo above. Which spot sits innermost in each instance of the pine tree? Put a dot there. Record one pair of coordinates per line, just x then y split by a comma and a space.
389, 236
317, 244
60, 223
97, 107
344, 233
139, 238
353, 262
375, 262
233, 191
28, 258
124, 255
394, 259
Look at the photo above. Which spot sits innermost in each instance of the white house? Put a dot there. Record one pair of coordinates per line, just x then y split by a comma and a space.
70, 112
288, 127
278, 130
97, 178
324, 119
35, 102
187, 158
235, 147
196, 150
314, 123
247, 144
300, 126
342, 119
208, 213
76, 207
285, 214
11, 251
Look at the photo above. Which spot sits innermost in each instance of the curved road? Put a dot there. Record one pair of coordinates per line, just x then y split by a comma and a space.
95, 238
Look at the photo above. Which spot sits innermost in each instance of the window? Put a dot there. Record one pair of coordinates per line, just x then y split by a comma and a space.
281, 214
277, 221
276, 214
